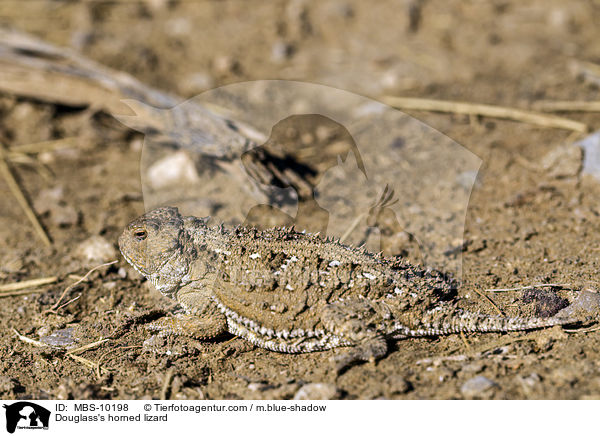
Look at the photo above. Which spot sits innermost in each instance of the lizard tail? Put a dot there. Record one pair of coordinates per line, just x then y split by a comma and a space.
440, 322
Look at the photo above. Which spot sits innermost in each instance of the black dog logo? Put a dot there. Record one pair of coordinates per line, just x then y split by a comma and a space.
29, 415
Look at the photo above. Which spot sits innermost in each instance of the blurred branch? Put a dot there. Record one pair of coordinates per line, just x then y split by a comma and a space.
409, 103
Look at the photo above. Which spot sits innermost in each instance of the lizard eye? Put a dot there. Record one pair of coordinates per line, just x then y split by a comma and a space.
140, 234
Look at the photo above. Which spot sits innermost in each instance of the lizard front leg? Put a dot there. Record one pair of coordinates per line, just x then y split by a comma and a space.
202, 319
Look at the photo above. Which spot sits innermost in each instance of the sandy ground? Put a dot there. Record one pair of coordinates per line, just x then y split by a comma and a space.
526, 222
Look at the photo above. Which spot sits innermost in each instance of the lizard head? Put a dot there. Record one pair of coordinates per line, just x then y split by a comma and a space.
151, 241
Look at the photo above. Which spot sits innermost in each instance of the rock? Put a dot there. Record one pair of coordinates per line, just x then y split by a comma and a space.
563, 161
136, 145
224, 65
47, 199
591, 154
176, 168
122, 273
65, 216
96, 250
473, 367
62, 338
51, 201
317, 391
585, 306
476, 386
259, 386
532, 379
281, 51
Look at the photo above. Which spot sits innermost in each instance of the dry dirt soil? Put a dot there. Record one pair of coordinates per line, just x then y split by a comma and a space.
529, 220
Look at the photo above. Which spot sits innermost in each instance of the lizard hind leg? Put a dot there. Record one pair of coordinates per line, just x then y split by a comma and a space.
358, 323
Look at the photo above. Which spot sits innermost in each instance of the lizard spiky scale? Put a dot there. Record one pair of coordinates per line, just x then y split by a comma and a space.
295, 292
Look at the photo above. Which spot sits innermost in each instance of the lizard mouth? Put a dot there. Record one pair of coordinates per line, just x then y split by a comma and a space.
134, 265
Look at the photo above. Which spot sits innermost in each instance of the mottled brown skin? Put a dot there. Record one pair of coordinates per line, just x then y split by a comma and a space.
293, 292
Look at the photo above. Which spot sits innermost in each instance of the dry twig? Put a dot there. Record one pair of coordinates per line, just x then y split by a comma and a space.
582, 330
485, 297
86, 362
29, 340
88, 346
567, 106
27, 284
423, 104
21, 199
22, 292
40, 147
82, 279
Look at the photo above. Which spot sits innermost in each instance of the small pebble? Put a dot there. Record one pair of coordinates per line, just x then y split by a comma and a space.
586, 305
136, 145
281, 51
317, 391
62, 338
96, 250
591, 154
109, 285
563, 161
51, 201
473, 367
47, 199
64, 216
177, 168
224, 65
476, 386
258, 387
532, 379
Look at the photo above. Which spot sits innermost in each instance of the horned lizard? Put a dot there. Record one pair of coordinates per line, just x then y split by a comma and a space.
295, 292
